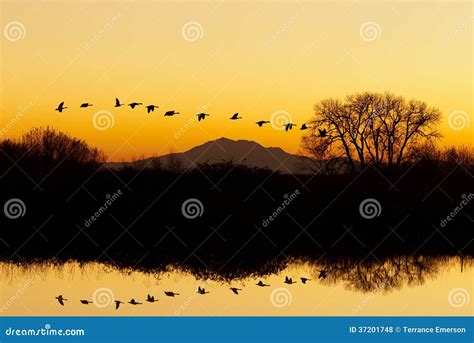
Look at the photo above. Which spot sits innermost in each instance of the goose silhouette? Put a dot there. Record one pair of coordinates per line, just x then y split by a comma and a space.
61, 300
304, 127
235, 116
201, 290
60, 107
117, 304
289, 126
322, 274
86, 104
85, 302
261, 284
117, 103
171, 294
202, 116
289, 280
134, 104
261, 122
134, 302
235, 290
304, 280
322, 133
151, 298
151, 108
170, 113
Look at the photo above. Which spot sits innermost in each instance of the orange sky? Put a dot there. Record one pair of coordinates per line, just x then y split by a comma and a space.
247, 57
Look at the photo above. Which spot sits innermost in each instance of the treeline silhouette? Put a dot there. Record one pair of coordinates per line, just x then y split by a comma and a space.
139, 221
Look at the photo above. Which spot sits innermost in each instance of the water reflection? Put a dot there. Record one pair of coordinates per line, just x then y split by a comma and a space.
351, 287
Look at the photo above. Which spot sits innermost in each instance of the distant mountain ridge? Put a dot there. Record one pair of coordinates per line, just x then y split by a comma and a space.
240, 152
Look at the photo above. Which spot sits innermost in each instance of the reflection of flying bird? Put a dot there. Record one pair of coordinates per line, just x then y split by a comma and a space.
61, 300
85, 302
117, 304
322, 133
134, 104
86, 104
151, 298
304, 127
117, 103
150, 108
289, 126
201, 290
134, 302
202, 116
170, 113
171, 294
322, 274
60, 107
235, 116
304, 280
261, 122
235, 290
261, 284
289, 280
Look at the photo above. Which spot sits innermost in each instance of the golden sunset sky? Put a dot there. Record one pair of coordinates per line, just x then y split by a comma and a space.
221, 57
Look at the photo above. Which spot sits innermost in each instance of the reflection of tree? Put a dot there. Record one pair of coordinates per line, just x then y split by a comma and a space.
381, 275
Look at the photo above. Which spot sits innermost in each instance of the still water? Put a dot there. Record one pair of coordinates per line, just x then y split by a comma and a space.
398, 286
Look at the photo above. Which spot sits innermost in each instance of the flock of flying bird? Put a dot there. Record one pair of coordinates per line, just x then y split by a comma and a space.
200, 116
200, 290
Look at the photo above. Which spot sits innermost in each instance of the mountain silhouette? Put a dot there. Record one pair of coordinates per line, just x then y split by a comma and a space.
240, 152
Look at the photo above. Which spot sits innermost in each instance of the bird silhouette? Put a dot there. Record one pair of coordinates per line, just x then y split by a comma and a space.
85, 302
60, 107
304, 280
150, 108
261, 284
171, 294
235, 290
117, 304
289, 126
86, 104
322, 133
304, 127
134, 104
202, 116
235, 116
261, 122
151, 298
117, 103
289, 280
170, 113
134, 302
322, 274
201, 290
61, 300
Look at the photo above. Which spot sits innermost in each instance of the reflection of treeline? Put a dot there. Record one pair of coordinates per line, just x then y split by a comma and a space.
62, 182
